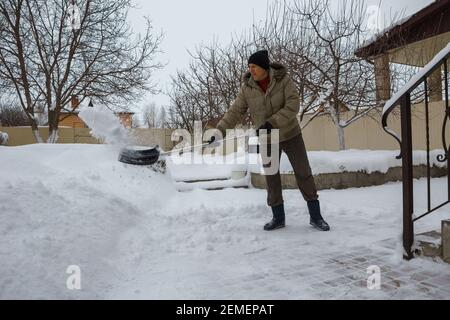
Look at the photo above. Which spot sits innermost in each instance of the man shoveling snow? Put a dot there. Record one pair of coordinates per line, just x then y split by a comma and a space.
273, 101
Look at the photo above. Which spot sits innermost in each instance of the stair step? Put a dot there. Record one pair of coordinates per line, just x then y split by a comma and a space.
429, 244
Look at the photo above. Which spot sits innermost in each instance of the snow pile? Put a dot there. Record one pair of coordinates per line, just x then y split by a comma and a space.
361, 160
105, 125
354, 160
70, 204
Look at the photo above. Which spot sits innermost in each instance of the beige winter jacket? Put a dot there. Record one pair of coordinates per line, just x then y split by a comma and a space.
279, 105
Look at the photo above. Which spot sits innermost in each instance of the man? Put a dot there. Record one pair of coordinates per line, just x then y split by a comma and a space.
273, 100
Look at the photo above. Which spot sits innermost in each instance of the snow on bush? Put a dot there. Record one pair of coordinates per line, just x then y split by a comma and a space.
3, 138
353, 160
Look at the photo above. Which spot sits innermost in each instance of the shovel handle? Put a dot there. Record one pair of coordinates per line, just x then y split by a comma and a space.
202, 145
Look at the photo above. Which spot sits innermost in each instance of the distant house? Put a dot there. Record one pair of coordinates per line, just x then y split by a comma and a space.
126, 118
412, 41
72, 120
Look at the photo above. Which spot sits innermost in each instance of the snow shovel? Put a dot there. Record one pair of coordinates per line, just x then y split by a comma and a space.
147, 156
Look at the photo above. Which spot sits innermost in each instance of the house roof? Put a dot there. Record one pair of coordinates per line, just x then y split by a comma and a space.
429, 22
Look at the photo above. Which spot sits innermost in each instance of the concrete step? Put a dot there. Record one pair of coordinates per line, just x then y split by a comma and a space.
429, 244
435, 243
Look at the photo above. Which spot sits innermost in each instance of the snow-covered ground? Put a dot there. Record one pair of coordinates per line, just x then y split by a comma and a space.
133, 235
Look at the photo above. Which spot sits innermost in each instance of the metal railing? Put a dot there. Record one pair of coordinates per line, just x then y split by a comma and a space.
403, 98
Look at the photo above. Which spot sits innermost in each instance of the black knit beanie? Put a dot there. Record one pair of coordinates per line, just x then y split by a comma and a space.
260, 58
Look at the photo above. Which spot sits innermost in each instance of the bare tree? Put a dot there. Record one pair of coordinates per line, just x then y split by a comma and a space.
162, 118
51, 51
209, 86
155, 116
12, 115
150, 115
341, 85
314, 40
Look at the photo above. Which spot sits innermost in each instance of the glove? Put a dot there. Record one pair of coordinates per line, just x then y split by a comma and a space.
266, 126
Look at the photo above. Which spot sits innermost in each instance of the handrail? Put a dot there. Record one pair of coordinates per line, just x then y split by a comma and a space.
417, 79
403, 98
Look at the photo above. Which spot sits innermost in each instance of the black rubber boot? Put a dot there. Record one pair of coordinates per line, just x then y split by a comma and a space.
278, 220
316, 219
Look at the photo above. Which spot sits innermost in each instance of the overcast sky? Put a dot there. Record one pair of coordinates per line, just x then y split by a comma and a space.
187, 23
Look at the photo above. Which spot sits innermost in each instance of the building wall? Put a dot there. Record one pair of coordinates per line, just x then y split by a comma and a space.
367, 133
153, 136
